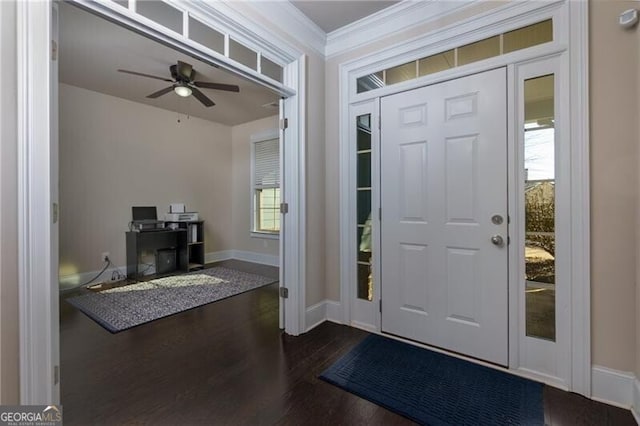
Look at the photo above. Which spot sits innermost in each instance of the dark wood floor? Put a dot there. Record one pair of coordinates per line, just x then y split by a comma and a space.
227, 363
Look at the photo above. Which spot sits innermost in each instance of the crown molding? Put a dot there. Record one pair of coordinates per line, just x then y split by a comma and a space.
291, 20
401, 16
231, 18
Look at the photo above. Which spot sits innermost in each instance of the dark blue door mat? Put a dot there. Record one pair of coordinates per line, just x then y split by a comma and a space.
435, 389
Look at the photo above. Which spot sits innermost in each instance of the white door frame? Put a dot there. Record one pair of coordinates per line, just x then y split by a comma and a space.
38, 277
571, 43
38, 294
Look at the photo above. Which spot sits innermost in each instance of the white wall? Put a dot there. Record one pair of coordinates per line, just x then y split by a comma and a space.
115, 154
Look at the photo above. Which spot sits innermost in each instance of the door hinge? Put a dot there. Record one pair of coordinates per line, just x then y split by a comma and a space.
56, 375
284, 292
54, 50
284, 208
55, 212
380, 305
380, 214
284, 123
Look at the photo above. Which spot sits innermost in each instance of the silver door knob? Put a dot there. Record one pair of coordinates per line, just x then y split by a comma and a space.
497, 240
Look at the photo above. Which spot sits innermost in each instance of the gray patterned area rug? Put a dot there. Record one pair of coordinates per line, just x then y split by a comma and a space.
124, 307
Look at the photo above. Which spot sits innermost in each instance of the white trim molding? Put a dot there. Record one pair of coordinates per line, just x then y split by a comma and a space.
218, 256
326, 310
399, 17
293, 234
580, 197
334, 311
613, 387
37, 287
316, 315
253, 257
296, 24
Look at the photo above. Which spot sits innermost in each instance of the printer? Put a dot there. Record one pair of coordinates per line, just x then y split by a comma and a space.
177, 213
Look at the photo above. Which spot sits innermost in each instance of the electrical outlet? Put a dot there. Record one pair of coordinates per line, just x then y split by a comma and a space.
105, 256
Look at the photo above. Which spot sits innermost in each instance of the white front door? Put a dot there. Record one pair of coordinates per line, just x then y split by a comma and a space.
444, 210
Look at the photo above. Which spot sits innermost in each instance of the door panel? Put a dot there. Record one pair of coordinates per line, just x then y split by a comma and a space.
461, 169
413, 195
443, 177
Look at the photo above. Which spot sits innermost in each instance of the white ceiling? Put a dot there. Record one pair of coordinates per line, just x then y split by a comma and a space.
333, 14
93, 49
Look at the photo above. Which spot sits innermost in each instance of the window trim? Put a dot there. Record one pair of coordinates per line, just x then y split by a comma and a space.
256, 138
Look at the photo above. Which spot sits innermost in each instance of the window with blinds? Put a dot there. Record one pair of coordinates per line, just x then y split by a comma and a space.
266, 186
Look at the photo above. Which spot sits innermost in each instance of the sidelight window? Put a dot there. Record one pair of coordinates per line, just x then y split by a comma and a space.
540, 207
363, 182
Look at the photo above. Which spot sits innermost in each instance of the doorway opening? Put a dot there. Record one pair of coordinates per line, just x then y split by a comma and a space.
40, 370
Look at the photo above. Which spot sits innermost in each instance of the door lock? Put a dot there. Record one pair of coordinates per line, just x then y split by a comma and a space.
497, 240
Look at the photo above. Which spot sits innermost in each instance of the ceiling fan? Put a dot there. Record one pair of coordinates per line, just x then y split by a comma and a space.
182, 77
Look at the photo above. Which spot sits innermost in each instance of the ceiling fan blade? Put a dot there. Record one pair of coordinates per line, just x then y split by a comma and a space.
217, 86
160, 92
185, 70
146, 75
201, 97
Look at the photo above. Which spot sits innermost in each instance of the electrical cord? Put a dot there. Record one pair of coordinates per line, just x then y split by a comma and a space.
91, 280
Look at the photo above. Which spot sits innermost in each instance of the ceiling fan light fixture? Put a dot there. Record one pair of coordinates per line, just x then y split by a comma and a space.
182, 90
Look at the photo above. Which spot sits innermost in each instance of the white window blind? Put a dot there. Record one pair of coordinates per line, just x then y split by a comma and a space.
267, 164
265, 184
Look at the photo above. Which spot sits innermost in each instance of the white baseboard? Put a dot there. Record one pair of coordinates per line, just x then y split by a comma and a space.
612, 386
249, 256
364, 326
218, 256
327, 310
315, 315
635, 410
334, 311
74, 280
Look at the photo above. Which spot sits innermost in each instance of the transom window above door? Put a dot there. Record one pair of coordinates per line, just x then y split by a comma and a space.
510, 41
194, 28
